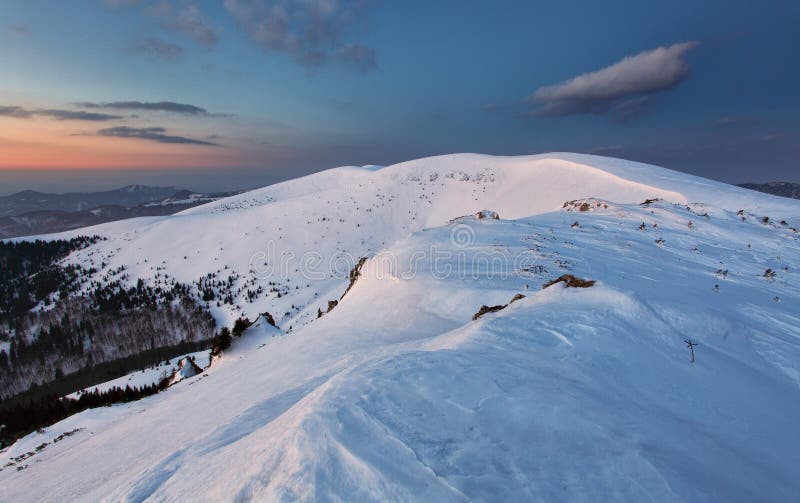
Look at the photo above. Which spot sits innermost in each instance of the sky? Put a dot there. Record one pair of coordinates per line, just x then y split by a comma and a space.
229, 94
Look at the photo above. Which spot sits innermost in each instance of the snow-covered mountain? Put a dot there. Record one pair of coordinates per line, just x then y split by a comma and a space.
128, 196
30, 212
397, 393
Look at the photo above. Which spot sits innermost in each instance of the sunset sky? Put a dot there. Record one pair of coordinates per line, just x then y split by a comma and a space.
222, 94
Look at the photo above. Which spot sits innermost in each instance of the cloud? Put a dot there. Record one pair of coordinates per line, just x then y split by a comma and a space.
309, 31
156, 134
76, 115
158, 106
16, 112
187, 19
158, 49
183, 17
63, 115
621, 89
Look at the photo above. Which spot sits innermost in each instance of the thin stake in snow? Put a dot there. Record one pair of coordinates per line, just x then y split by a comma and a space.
690, 345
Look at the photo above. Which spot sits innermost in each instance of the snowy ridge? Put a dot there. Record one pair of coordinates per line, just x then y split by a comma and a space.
567, 394
345, 213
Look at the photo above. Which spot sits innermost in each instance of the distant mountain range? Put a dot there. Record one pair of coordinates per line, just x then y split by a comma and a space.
30, 212
131, 195
783, 189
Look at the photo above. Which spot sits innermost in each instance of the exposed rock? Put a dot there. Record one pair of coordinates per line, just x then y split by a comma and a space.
354, 275
487, 214
186, 368
488, 309
570, 281
269, 319
584, 205
480, 215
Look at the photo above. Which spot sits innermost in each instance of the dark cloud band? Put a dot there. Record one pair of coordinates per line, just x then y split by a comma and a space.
159, 106
156, 134
64, 115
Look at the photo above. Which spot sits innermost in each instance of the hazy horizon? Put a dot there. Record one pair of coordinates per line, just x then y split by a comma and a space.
59, 181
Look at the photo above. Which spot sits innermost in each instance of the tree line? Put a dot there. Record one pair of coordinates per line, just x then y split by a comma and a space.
22, 418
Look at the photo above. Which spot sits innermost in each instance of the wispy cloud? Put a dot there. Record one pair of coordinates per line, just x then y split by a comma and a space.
733, 122
58, 114
181, 16
14, 111
309, 31
77, 115
158, 49
185, 18
149, 106
156, 134
621, 89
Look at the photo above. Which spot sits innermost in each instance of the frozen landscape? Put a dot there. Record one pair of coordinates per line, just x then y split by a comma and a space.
378, 385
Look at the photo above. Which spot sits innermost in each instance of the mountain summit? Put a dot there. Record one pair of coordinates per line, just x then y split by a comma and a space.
458, 328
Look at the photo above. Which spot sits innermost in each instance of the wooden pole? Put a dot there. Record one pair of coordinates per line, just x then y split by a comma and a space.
691, 346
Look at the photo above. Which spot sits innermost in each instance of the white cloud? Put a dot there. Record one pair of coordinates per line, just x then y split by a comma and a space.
620, 88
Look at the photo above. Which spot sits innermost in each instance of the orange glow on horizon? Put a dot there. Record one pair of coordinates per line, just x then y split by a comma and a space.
44, 144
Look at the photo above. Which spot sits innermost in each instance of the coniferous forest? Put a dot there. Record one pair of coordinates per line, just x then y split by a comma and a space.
61, 331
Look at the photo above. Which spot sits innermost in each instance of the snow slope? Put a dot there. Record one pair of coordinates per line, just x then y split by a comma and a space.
396, 394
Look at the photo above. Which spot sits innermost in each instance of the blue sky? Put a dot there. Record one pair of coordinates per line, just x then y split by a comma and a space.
292, 86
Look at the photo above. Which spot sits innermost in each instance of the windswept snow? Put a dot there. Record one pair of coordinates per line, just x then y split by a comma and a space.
395, 394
